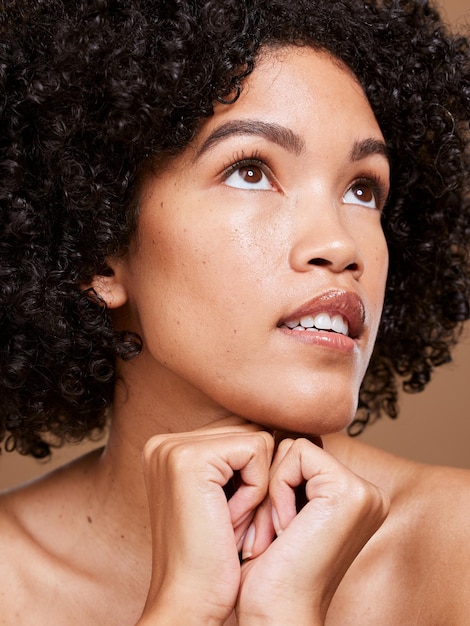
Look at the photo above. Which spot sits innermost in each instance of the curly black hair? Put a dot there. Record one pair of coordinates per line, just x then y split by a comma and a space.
92, 92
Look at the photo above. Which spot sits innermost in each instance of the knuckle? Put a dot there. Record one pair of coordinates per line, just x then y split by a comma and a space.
151, 446
301, 446
300, 443
285, 445
165, 449
264, 442
368, 500
178, 455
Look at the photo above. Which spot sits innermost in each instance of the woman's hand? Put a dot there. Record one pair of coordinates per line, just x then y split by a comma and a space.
196, 533
293, 579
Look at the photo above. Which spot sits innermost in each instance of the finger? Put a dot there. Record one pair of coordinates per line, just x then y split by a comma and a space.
203, 433
262, 530
302, 462
230, 422
315, 547
207, 461
282, 472
254, 477
280, 435
260, 533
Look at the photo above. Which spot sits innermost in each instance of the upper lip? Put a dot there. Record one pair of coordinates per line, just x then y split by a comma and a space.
345, 303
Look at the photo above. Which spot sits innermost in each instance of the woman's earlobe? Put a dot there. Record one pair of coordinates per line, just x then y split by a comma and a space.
110, 290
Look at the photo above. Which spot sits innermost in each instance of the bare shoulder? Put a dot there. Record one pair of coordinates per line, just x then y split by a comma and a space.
436, 501
440, 495
45, 551
436, 506
19, 560
417, 563
446, 493
439, 506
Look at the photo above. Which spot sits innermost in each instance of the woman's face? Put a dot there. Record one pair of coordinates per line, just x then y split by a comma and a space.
257, 276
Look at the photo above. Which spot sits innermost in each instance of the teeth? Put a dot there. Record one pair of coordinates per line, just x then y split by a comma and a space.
322, 321
292, 324
339, 325
307, 321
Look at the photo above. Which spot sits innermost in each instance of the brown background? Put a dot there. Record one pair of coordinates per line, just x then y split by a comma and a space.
433, 426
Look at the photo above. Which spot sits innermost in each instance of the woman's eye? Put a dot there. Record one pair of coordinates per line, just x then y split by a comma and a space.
362, 193
248, 177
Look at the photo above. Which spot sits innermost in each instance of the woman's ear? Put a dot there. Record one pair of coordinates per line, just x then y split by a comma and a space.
109, 285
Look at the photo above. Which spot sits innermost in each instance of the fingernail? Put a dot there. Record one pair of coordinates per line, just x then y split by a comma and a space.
249, 542
240, 542
276, 522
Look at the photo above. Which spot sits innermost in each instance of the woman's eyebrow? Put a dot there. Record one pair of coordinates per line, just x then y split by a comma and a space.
280, 135
285, 138
367, 147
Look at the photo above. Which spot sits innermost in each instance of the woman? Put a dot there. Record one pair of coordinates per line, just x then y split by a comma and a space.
200, 206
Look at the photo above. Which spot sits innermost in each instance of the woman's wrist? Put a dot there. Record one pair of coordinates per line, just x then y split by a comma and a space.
176, 607
277, 619
176, 616
277, 613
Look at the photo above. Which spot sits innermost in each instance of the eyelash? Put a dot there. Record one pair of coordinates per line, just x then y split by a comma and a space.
376, 186
255, 160
239, 160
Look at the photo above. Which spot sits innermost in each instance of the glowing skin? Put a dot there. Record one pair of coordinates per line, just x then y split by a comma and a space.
272, 209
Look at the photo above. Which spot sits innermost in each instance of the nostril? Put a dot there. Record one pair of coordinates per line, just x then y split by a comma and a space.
319, 261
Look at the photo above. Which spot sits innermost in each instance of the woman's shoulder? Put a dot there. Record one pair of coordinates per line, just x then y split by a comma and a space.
43, 548
405, 480
22, 563
417, 563
428, 500
432, 514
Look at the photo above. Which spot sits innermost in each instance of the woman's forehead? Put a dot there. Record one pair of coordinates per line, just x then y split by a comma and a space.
290, 90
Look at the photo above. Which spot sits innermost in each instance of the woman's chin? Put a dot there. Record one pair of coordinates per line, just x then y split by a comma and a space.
313, 419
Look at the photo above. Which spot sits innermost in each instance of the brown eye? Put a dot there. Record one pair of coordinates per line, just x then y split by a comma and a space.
251, 174
362, 193
248, 176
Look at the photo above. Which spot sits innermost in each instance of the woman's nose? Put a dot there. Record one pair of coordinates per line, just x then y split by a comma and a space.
326, 239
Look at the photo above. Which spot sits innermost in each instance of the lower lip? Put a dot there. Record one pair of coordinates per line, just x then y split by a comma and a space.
333, 341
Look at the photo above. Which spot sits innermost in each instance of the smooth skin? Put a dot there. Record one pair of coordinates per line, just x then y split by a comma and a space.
219, 260
269, 209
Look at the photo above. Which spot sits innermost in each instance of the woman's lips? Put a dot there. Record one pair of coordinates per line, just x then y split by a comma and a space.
343, 311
